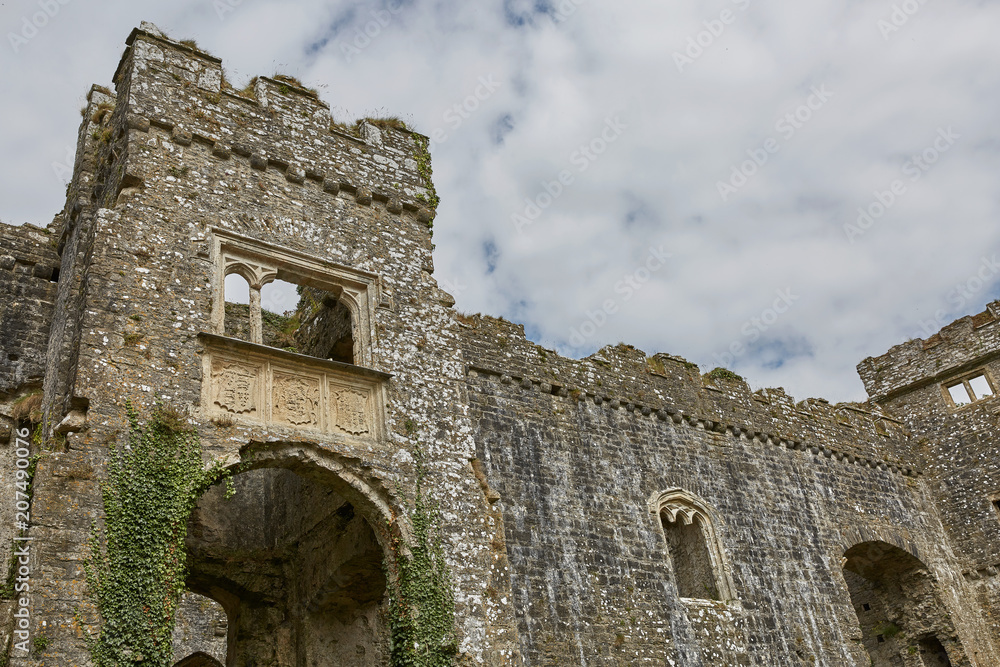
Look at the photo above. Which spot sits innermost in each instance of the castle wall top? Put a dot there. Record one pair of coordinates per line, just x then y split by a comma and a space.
956, 349
274, 122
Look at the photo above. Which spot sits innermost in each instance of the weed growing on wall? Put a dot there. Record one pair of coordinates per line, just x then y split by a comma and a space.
422, 606
424, 169
137, 564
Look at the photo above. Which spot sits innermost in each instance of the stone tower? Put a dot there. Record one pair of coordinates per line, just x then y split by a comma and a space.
621, 509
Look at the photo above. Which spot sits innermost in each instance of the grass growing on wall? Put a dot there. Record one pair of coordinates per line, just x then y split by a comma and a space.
422, 606
137, 564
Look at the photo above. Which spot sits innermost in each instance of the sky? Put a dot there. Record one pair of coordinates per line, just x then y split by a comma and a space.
779, 188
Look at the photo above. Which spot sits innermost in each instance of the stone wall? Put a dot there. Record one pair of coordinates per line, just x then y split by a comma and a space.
176, 162
29, 273
955, 444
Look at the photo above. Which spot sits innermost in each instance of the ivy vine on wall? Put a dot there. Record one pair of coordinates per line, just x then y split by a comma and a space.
137, 564
422, 605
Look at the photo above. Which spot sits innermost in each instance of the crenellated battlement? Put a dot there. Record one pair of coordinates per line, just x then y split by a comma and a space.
274, 124
671, 390
956, 349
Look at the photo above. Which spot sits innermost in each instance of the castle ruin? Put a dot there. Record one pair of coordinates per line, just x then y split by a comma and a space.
616, 510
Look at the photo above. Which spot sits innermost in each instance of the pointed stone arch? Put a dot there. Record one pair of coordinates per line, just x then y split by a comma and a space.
198, 659
690, 535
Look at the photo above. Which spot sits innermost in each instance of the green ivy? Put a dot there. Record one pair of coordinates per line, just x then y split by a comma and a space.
137, 564
422, 605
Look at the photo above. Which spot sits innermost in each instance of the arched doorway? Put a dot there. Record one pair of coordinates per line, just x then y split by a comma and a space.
293, 558
198, 659
200, 630
900, 611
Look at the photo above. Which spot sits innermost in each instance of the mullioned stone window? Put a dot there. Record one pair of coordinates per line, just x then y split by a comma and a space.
251, 374
974, 387
695, 553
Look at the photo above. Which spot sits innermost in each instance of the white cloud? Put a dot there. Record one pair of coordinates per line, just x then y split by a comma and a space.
655, 184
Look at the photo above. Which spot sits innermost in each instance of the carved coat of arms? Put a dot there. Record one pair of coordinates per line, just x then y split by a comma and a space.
235, 387
296, 400
352, 411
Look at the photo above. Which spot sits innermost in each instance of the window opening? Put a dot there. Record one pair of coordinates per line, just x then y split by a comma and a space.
980, 387
933, 653
970, 389
959, 395
237, 295
692, 565
693, 547
289, 316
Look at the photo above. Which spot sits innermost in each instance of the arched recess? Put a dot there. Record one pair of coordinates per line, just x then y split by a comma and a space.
201, 626
198, 659
900, 608
689, 529
298, 558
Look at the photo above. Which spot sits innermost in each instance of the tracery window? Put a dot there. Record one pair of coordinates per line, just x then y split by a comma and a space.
692, 544
324, 310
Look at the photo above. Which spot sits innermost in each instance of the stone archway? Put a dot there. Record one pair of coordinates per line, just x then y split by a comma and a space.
198, 659
296, 557
900, 609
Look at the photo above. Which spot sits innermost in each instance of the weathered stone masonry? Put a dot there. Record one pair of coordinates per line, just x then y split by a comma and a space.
617, 510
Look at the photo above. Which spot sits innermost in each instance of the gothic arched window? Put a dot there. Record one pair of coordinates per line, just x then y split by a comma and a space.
693, 548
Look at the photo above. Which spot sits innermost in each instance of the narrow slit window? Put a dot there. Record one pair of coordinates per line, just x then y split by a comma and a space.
996, 506
959, 395
980, 387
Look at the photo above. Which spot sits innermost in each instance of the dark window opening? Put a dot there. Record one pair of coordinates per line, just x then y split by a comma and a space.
866, 607
54, 278
880, 639
933, 653
689, 555
996, 505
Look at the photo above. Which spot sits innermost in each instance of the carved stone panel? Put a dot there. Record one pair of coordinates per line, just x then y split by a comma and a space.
350, 407
295, 400
235, 386
273, 387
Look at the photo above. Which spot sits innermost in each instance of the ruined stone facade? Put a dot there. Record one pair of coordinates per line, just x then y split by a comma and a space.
616, 510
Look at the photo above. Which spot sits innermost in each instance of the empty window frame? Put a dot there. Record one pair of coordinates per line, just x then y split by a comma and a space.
275, 296
970, 389
692, 545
